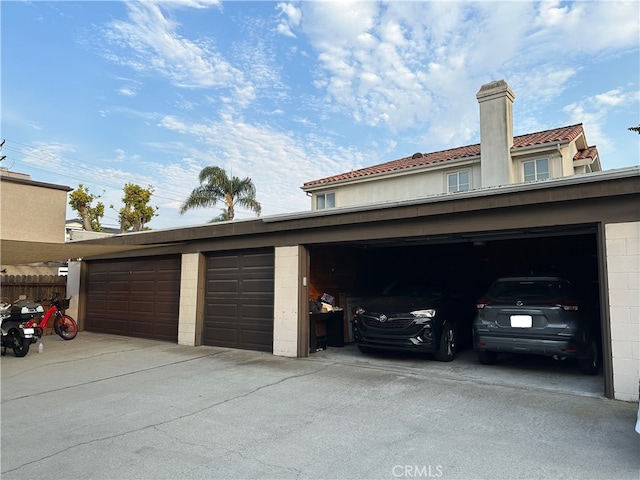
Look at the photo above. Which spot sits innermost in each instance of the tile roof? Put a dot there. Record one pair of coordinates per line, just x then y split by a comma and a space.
589, 152
556, 135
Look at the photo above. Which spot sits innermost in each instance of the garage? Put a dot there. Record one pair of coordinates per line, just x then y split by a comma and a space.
239, 299
467, 263
136, 297
248, 284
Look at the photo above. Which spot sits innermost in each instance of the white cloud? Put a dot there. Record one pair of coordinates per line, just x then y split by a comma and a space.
127, 92
593, 112
189, 3
294, 14
278, 162
289, 18
285, 30
403, 64
611, 98
587, 27
48, 155
149, 42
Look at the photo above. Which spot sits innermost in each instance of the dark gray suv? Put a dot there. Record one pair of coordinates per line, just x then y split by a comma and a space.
538, 315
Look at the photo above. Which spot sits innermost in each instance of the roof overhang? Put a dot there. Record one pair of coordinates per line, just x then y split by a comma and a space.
17, 252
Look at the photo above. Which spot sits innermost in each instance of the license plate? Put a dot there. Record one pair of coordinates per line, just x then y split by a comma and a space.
28, 331
521, 321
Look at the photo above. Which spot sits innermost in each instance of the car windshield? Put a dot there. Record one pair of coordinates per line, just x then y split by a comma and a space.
409, 288
534, 289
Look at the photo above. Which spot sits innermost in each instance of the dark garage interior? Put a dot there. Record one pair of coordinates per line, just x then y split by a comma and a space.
465, 263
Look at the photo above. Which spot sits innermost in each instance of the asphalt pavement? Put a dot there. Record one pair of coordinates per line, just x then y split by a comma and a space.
109, 407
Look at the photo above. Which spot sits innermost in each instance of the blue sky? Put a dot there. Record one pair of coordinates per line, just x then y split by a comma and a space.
108, 93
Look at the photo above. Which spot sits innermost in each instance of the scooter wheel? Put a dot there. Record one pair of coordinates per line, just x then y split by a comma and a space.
19, 344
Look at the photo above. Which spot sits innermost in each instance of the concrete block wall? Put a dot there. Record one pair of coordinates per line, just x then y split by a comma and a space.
189, 284
285, 308
623, 272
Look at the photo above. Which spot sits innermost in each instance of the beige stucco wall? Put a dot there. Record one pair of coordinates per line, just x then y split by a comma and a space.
623, 276
401, 187
557, 167
568, 154
32, 212
496, 133
285, 306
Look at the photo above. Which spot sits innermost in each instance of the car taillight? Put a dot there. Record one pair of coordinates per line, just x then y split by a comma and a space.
483, 302
567, 304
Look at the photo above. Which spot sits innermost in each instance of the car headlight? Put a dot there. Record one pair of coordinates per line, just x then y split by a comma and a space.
429, 313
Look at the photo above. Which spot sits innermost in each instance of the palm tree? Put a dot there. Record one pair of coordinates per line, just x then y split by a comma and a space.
216, 185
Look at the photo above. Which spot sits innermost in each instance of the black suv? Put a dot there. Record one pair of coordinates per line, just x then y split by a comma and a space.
414, 316
538, 315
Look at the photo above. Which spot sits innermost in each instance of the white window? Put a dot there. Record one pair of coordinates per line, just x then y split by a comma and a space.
325, 200
536, 170
458, 181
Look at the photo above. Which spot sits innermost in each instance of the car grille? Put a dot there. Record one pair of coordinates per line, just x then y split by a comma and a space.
399, 322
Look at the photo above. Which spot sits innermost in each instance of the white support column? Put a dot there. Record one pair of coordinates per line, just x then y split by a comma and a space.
623, 272
188, 325
285, 305
73, 289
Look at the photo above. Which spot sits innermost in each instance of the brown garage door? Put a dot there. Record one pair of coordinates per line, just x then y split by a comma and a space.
137, 298
239, 300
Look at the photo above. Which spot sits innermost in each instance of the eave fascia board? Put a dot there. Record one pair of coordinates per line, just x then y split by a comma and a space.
535, 149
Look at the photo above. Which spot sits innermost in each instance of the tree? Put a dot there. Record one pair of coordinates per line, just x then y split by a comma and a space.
215, 185
136, 212
80, 200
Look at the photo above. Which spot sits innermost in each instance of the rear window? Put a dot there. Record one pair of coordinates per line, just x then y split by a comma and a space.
541, 290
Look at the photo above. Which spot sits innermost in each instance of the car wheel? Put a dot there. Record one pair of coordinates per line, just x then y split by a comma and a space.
487, 357
447, 348
590, 364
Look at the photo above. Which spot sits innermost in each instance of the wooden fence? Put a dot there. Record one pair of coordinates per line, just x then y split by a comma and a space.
35, 287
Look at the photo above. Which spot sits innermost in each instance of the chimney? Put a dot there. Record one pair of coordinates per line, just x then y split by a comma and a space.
496, 133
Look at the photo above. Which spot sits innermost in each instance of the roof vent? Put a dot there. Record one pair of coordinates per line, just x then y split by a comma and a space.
417, 155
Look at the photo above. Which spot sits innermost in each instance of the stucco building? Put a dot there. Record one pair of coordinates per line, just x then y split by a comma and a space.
499, 159
31, 211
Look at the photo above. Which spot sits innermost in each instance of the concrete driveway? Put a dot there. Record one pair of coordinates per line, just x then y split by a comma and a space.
107, 407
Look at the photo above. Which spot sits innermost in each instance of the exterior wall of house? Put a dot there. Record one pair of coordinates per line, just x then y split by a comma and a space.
568, 153
189, 328
409, 186
556, 162
623, 276
32, 211
286, 301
